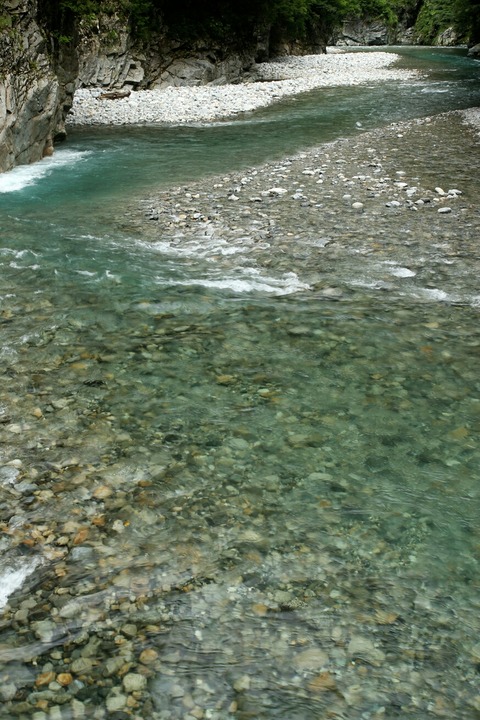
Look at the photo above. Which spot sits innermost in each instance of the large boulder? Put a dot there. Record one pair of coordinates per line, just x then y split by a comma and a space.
448, 38
359, 32
474, 51
203, 68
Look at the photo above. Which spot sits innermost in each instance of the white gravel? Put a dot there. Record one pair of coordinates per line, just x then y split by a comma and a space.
472, 117
279, 78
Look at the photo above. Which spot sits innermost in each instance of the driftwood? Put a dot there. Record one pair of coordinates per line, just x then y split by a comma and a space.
115, 95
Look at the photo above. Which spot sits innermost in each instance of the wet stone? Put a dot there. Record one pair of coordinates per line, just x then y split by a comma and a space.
311, 659
116, 701
81, 666
133, 682
363, 648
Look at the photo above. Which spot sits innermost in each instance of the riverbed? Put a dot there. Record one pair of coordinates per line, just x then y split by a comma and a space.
240, 418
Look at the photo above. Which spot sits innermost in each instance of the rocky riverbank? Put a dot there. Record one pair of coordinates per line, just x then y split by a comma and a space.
350, 196
268, 83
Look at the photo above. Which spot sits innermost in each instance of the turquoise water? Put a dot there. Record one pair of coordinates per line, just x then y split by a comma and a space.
242, 481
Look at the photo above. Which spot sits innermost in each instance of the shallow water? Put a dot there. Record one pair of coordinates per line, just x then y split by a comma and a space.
240, 479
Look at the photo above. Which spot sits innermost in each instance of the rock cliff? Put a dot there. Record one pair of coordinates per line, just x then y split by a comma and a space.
30, 98
376, 32
108, 57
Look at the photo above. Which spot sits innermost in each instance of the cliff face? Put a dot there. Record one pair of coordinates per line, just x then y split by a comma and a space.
30, 109
376, 32
46, 53
109, 58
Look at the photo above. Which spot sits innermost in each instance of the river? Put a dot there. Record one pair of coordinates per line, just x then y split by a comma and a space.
239, 473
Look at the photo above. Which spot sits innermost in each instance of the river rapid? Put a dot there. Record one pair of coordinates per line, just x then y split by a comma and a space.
239, 472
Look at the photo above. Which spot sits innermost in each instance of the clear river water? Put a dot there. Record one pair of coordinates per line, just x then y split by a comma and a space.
241, 479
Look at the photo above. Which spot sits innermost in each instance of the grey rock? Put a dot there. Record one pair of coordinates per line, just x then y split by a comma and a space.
359, 32
311, 659
30, 97
81, 665
112, 666
116, 701
8, 475
363, 648
44, 630
133, 682
7, 691
447, 38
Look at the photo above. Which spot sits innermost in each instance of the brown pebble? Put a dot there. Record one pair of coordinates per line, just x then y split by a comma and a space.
78, 366
225, 379
81, 536
147, 656
383, 617
102, 492
64, 679
44, 678
322, 683
260, 609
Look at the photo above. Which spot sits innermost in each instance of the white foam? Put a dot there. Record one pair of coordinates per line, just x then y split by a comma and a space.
12, 579
436, 294
204, 247
402, 272
367, 284
251, 281
434, 91
8, 352
16, 266
26, 175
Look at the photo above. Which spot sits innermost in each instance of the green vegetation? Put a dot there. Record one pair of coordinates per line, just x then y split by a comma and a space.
238, 22
434, 16
467, 18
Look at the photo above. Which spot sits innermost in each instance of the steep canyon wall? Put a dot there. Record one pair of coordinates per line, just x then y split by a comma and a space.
30, 98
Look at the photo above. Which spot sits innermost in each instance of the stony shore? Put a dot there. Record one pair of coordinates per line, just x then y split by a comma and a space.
472, 117
357, 189
267, 84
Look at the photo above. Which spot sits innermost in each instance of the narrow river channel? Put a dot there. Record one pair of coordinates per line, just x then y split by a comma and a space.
240, 469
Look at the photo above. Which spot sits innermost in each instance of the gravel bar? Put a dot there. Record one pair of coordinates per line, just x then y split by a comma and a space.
274, 80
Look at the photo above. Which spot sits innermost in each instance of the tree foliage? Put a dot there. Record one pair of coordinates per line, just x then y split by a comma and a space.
239, 20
